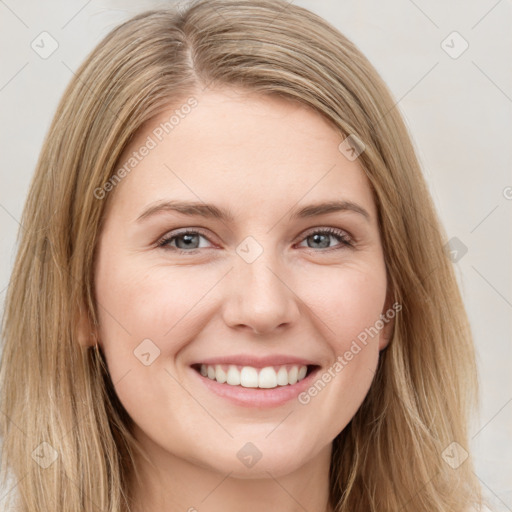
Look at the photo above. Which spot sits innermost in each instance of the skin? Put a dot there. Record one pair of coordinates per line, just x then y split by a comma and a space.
261, 158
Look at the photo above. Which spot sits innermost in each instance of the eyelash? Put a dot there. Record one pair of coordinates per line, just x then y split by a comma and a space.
344, 239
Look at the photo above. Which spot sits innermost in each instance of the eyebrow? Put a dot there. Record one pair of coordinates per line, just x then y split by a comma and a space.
205, 210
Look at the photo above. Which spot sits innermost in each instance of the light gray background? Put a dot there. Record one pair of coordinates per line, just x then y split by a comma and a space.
459, 111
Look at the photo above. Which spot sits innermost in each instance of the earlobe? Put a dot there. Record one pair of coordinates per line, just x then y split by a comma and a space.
388, 319
386, 334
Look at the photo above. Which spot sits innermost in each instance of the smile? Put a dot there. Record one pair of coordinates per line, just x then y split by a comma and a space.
246, 385
251, 377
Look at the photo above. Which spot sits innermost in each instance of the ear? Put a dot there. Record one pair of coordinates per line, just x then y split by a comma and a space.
389, 313
87, 337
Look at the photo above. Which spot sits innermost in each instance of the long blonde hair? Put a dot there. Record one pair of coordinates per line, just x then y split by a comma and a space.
56, 391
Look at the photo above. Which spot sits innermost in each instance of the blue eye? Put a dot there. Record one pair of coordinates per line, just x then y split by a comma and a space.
189, 241
322, 237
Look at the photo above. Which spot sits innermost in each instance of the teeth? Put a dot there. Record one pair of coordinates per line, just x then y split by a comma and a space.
220, 374
282, 376
233, 376
267, 378
249, 377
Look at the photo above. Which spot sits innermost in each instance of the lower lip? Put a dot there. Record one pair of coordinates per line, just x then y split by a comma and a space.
258, 397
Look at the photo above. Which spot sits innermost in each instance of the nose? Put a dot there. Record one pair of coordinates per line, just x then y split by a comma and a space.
259, 298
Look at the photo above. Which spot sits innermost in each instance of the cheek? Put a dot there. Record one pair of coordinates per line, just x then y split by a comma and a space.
146, 302
148, 310
145, 318
349, 301
350, 308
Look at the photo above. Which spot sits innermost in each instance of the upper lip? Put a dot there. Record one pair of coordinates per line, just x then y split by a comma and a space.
257, 362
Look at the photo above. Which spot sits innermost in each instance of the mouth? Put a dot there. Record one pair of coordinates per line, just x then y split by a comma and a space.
268, 377
247, 386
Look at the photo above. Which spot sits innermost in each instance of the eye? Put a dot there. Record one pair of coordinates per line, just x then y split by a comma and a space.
321, 237
188, 241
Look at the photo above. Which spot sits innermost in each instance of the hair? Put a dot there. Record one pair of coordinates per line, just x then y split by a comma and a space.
58, 391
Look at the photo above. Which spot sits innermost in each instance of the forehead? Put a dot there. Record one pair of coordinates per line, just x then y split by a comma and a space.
239, 149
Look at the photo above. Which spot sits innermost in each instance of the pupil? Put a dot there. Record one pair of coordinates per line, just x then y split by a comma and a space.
187, 239
326, 239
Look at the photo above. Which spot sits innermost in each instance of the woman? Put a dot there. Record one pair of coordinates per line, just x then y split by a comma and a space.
141, 371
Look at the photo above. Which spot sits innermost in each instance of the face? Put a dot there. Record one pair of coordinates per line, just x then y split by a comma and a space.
258, 279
